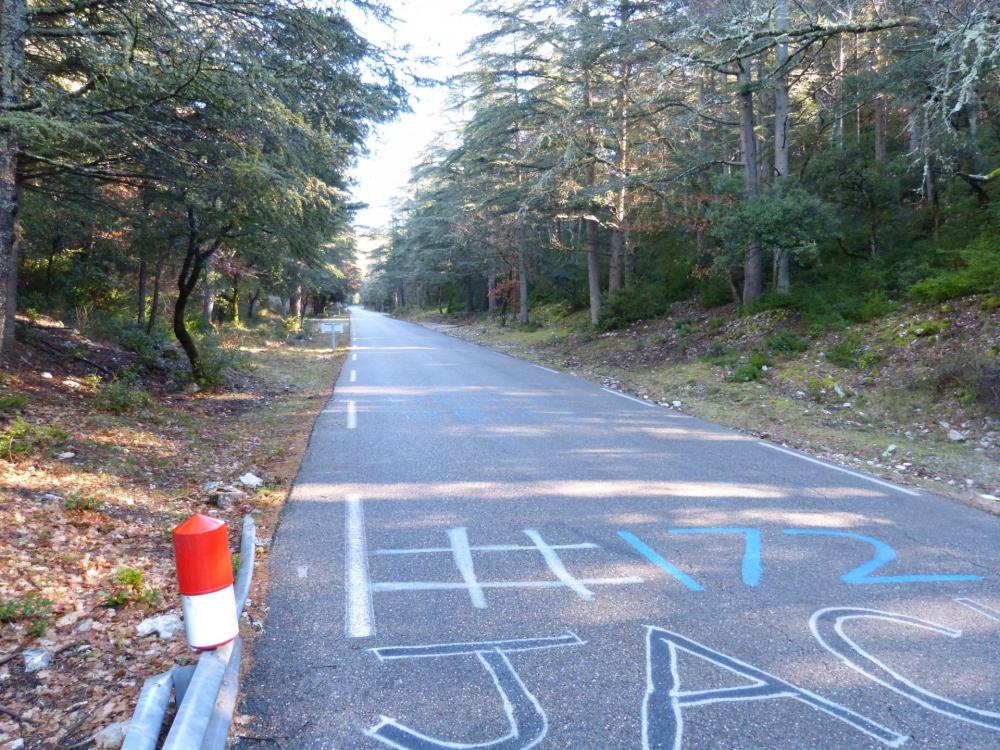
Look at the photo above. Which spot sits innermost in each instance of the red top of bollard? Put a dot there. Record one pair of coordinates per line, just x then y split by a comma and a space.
201, 550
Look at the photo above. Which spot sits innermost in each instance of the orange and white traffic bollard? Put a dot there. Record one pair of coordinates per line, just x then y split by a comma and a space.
205, 580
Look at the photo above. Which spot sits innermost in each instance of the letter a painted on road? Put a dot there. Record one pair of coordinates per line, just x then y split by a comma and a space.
663, 707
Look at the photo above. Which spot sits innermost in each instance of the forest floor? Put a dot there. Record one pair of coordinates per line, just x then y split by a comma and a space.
913, 396
89, 495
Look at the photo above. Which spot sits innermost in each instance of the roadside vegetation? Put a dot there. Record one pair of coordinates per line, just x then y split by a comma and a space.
105, 450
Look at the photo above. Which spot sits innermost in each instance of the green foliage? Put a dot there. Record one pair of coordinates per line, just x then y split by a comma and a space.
787, 343
846, 351
32, 608
13, 402
83, 503
130, 587
978, 272
23, 438
122, 395
971, 379
291, 324
755, 367
216, 363
629, 305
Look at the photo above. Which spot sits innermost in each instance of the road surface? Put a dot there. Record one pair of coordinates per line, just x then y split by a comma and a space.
482, 553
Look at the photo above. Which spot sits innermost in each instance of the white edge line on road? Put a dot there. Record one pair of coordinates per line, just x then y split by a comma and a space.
547, 369
873, 480
354, 375
630, 398
360, 619
354, 357
352, 415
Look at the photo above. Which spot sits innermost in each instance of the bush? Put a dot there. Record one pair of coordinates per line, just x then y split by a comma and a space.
786, 342
628, 306
13, 402
83, 503
978, 273
122, 395
216, 361
846, 352
23, 439
754, 369
971, 380
31, 607
130, 586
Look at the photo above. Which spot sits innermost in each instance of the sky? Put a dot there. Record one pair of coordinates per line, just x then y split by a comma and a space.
430, 28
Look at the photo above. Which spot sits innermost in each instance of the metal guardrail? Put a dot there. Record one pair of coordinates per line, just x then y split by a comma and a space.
205, 694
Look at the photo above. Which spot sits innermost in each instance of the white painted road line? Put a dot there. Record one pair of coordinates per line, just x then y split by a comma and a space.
396, 586
354, 376
360, 618
484, 548
980, 608
352, 415
463, 561
630, 398
302, 571
556, 566
354, 357
554, 372
873, 480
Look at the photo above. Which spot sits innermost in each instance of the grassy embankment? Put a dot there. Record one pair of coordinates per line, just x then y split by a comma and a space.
913, 396
85, 538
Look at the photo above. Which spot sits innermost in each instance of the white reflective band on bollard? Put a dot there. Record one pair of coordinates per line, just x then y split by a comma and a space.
210, 619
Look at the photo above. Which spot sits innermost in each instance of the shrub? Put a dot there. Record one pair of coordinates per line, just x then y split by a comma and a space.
972, 380
754, 369
846, 352
130, 586
720, 354
23, 439
13, 402
122, 395
291, 324
32, 608
216, 361
628, 306
77, 502
786, 342
978, 272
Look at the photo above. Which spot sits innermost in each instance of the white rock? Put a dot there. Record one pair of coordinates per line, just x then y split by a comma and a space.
73, 385
986, 496
839, 390
84, 626
955, 436
210, 486
68, 619
17, 744
764, 368
112, 736
36, 659
47, 376
51, 497
890, 450
251, 480
163, 625
676, 404
66, 455
800, 394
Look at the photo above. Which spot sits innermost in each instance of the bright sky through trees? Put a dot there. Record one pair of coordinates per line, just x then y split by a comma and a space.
435, 29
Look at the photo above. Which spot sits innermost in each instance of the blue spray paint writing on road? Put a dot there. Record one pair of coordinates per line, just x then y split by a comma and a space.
752, 567
527, 721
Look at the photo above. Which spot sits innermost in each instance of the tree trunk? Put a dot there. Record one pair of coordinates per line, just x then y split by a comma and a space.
13, 27
140, 316
753, 266
615, 270
619, 234
590, 236
297, 303
208, 296
155, 303
522, 268
491, 290
781, 127
235, 300
880, 131
251, 303
186, 282
470, 296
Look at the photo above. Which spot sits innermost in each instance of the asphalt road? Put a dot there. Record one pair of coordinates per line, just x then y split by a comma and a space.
481, 553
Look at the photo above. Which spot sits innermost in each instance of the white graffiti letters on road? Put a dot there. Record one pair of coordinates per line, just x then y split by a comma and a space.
663, 706
828, 628
528, 723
